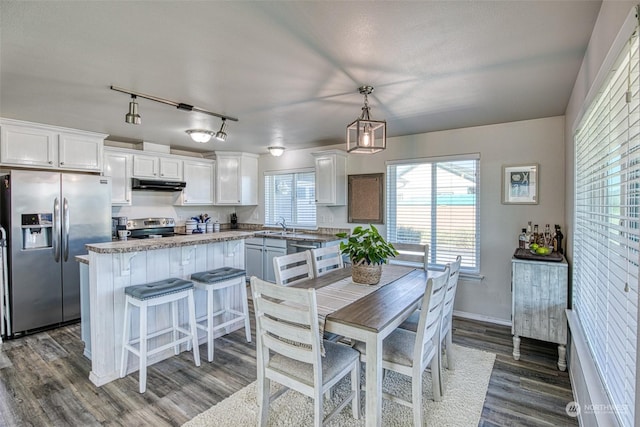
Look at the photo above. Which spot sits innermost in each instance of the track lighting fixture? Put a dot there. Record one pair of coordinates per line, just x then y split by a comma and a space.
132, 117
221, 135
276, 151
365, 135
198, 135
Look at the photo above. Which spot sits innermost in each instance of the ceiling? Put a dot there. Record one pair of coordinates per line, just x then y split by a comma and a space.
288, 70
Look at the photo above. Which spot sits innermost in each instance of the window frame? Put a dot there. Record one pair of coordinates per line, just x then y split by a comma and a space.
293, 223
469, 271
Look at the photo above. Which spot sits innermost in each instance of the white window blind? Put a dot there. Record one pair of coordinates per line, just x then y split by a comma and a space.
435, 202
291, 196
607, 196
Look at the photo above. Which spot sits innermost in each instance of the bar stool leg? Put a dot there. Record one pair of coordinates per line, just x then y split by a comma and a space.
194, 328
210, 337
126, 336
143, 347
174, 321
245, 308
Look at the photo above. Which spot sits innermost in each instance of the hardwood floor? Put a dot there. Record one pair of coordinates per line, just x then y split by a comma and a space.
44, 382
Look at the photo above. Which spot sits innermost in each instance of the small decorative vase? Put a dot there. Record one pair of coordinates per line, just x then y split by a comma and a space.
367, 274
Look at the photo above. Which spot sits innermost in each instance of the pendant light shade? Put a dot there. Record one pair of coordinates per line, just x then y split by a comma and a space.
132, 117
365, 135
200, 135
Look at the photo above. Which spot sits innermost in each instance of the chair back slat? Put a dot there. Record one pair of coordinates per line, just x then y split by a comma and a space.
293, 268
326, 259
411, 254
428, 332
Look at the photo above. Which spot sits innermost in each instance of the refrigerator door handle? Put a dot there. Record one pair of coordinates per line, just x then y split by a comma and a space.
65, 222
56, 230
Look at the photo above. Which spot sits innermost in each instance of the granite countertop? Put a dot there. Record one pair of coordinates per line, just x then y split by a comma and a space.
83, 259
136, 245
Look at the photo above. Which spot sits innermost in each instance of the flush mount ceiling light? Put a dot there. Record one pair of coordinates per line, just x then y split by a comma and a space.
365, 135
276, 151
221, 135
132, 117
198, 135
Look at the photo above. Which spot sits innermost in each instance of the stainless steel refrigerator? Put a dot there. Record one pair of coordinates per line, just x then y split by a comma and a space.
49, 217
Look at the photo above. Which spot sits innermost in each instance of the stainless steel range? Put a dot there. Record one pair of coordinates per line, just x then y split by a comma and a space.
147, 228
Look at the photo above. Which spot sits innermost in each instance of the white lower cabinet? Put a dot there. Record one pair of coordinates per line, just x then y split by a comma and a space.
259, 255
254, 253
272, 248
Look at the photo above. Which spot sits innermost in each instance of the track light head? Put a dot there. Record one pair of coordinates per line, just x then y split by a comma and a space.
132, 117
221, 135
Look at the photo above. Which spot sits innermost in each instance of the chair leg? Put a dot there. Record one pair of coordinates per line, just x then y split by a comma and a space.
194, 327
245, 308
126, 336
355, 387
436, 379
143, 348
416, 398
210, 337
264, 401
174, 320
451, 365
318, 413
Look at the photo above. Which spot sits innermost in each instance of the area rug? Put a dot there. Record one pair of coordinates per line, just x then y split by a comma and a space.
461, 406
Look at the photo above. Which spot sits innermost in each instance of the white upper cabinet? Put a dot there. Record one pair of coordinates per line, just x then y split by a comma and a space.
145, 166
236, 178
198, 174
331, 177
51, 147
117, 165
170, 168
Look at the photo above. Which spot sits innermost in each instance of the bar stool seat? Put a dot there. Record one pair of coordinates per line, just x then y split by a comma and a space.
150, 295
222, 279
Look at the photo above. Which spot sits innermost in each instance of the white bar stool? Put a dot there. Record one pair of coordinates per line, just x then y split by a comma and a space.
150, 295
222, 279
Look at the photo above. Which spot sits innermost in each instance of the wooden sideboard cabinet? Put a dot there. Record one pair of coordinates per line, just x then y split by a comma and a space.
539, 299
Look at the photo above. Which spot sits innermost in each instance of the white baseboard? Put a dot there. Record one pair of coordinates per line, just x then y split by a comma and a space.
481, 318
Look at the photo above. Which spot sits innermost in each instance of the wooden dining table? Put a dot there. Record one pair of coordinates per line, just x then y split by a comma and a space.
372, 318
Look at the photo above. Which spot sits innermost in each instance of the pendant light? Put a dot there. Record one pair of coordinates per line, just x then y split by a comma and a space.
365, 135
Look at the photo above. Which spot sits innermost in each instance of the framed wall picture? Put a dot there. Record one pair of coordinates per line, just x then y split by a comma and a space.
520, 184
366, 198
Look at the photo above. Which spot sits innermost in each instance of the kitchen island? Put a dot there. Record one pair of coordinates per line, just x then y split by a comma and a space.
114, 266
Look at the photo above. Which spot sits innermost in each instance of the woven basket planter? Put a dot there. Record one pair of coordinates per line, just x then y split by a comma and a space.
366, 273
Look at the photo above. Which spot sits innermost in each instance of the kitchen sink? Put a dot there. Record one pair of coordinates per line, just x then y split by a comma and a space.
275, 233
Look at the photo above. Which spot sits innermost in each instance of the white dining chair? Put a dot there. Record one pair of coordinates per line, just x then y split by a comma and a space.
288, 351
326, 259
446, 333
410, 353
293, 268
411, 254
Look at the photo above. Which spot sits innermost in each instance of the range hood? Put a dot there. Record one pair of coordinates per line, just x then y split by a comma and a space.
157, 185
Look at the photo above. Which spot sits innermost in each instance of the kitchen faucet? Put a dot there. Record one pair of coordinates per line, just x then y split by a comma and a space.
282, 224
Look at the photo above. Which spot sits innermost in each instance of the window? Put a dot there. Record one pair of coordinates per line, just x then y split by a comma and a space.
291, 196
435, 202
605, 259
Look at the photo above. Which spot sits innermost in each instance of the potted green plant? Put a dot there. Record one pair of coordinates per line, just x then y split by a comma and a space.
367, 250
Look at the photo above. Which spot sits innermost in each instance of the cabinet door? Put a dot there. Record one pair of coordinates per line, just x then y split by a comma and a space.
228, 181
79, 152
325, 180
199, 179
270, 253
170, 168
28, 146
118, 167
145, 166
253, 260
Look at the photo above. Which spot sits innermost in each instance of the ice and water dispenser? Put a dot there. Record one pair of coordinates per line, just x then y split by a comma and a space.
36, 230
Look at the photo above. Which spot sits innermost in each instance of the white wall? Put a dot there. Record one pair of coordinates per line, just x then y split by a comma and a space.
534, 141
